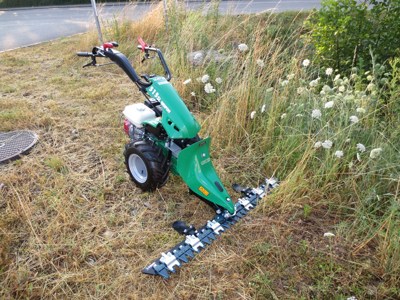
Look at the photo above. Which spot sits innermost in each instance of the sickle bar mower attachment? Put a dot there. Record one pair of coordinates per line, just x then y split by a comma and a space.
198, 240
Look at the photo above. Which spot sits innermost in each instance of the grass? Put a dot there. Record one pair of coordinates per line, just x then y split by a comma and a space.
74, 226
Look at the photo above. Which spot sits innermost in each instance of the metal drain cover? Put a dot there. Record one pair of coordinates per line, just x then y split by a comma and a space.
14, 143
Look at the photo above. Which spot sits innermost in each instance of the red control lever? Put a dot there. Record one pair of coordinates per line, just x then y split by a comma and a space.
107, 46
142, 43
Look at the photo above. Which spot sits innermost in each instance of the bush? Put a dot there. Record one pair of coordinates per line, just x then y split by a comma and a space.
345, 31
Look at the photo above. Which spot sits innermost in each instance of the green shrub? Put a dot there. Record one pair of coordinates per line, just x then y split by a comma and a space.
344, 32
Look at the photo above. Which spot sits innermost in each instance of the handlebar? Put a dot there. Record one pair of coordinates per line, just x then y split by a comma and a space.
161, 57
122, 61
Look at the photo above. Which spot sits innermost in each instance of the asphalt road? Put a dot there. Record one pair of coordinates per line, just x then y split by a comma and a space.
24, 27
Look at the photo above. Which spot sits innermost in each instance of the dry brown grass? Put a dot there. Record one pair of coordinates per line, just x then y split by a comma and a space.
74, 227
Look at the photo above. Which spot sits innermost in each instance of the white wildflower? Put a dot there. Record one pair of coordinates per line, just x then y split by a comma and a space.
329, 234
218, 80
327, 144
316, 114
284, 82
342, 88
339, 153
198, 56
193, 94
369, 77
329, 104
205, 78
187, 81
290, 76
300, 90
375, 152
361, 110
208, 88
329, 71
351, 298
371, 87
360, 147
260, 63
263, 108
314, 83
337, 77
318, 145
283, 116
252, 114
354, 119
243, 47
306, 63
326, 88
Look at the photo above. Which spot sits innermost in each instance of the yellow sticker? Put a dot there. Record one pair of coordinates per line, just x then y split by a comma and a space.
204, 191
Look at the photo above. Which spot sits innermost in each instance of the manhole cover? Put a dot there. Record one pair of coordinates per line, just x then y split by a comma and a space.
14, 143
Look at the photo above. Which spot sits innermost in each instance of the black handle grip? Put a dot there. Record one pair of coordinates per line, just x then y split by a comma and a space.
84, 54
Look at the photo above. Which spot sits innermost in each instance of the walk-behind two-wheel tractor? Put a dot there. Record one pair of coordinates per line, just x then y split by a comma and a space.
163, 138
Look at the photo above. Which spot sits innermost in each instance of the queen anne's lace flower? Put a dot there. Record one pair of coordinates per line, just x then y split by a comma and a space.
329, 104
329, 71
205, 78
290, 76
300, 90
327, 144
360, 110
342, 88
208, 88
353, 119
314, 83
375, 152
371, 87
252, 114
284, 82
360, 147
243, 47
306, 63
260, 63
218, 80
318, 145
316, 114
339, 153
187, 81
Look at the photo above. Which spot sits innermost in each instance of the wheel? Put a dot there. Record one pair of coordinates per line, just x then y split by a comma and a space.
146, 165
